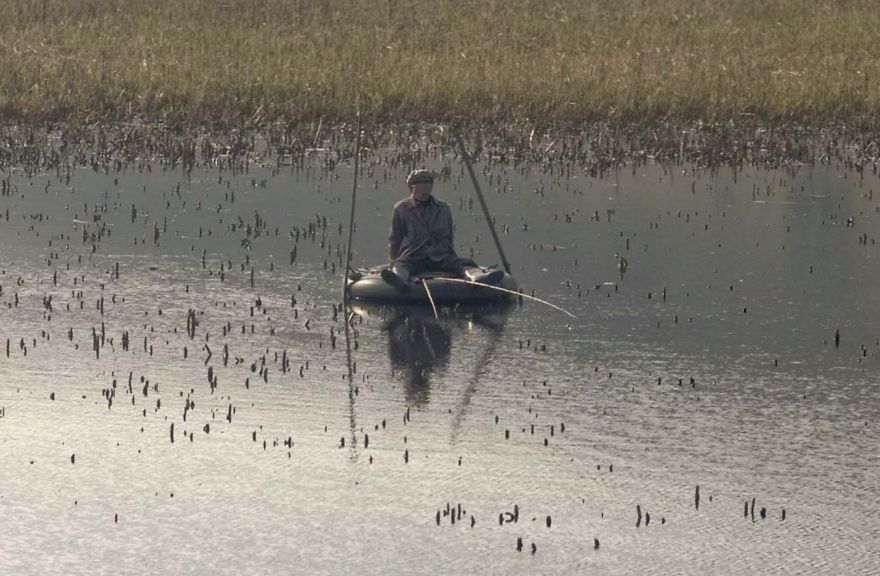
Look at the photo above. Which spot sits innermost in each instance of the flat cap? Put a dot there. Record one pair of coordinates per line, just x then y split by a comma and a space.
419, 175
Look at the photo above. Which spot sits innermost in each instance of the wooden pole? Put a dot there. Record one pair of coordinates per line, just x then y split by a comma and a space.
506, 291
357, 155
430, 298
470, 169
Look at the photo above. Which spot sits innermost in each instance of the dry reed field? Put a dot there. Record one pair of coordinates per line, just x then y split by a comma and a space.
231, 62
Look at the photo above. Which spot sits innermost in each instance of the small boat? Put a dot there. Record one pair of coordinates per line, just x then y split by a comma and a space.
367, 285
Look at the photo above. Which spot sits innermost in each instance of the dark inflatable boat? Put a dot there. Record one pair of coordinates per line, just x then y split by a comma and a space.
367, 285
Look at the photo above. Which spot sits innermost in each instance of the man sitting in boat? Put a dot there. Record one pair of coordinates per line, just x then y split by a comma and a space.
421, 238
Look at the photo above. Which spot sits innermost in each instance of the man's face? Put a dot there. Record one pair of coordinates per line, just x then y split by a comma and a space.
421, 191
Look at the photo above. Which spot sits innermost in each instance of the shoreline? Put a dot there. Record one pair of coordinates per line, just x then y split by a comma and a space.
595, 147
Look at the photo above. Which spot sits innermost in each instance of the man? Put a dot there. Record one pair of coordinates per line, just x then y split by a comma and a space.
421, 238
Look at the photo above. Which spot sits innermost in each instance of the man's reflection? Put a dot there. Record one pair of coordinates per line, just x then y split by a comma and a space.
419, 344
417, 347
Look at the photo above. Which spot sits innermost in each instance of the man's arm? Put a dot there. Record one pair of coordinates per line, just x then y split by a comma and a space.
396, 236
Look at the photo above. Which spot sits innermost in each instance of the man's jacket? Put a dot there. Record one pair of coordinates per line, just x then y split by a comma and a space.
421, 230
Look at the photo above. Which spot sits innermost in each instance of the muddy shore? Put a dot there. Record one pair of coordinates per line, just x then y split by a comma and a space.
593, 148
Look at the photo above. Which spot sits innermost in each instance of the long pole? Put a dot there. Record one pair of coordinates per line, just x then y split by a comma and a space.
345, 302
470, 169
357, 156
505, 290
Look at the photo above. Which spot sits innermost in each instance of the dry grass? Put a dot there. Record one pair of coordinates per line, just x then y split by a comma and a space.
227, 62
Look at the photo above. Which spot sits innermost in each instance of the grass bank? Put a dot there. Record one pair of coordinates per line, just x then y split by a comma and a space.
228, 62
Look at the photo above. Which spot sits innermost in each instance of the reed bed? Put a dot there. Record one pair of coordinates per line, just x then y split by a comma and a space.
233, 62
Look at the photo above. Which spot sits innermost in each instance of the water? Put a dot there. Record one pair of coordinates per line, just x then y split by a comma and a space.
711, 362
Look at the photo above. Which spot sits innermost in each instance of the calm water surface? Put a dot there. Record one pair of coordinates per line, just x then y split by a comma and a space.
738, 353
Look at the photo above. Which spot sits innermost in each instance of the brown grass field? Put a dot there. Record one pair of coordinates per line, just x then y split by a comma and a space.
232, 62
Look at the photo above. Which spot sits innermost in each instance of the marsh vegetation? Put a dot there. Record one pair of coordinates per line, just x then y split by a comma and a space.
553, 64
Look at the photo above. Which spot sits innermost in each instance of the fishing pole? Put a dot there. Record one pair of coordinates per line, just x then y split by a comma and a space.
482, 200
430, 298
515, 293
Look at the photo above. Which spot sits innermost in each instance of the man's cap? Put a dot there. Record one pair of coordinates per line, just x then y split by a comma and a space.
420, 175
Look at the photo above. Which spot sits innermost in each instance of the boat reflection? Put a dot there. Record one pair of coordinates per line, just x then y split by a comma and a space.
419, 344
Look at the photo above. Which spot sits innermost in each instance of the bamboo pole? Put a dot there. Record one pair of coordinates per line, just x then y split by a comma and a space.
485, 208
515, 293
430, 298
357, 155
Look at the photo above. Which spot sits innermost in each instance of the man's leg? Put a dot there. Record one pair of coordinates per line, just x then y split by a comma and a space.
453, 264
468, 269
403, 270
398, 274
478, 275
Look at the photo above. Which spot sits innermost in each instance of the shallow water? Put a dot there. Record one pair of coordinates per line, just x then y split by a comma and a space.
712, 362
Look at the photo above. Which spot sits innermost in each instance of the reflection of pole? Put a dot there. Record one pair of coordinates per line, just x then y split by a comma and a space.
494, 337
352, 422
470, 170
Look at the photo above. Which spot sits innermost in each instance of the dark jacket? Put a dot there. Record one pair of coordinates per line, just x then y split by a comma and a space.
421, 230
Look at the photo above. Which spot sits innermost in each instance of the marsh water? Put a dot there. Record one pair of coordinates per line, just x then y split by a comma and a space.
175, 394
